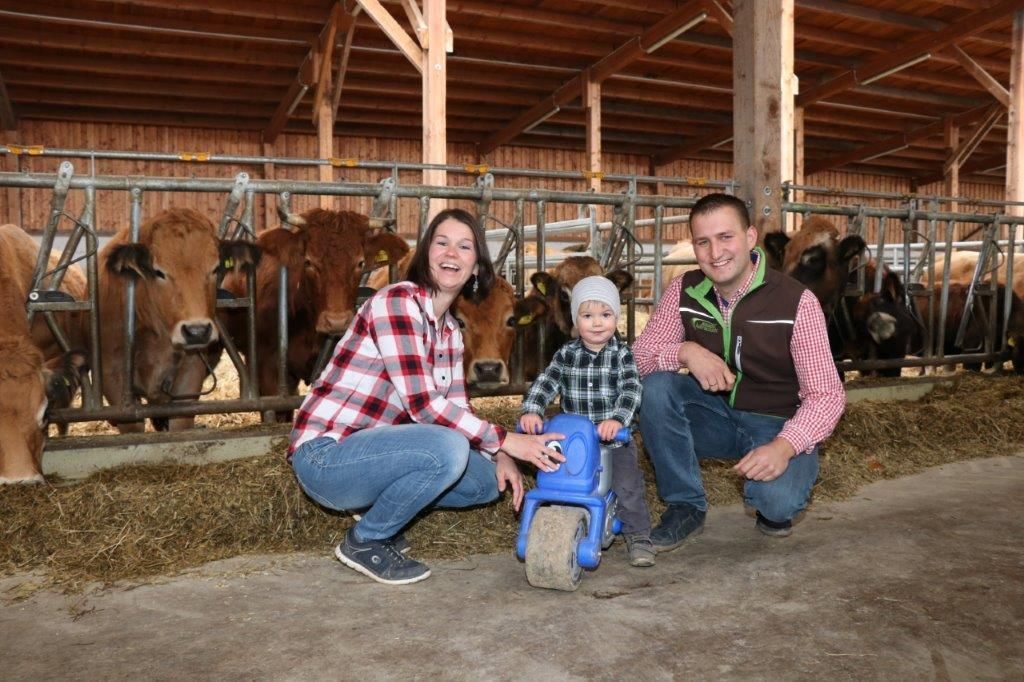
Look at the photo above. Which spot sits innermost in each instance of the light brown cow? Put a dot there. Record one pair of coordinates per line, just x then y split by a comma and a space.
27, 382
683, 250
963, 263
175, 265
325, 253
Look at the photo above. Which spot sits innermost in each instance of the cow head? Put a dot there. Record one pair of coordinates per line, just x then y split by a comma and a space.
176, 264
883, 326
325, 257
488, 331
816, 257
27, 387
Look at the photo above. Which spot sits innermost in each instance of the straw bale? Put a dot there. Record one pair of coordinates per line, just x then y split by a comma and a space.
137, 522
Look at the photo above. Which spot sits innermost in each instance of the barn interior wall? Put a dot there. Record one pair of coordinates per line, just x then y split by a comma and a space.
30, 208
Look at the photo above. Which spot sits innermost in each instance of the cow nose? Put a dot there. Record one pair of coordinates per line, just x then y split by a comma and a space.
197, 333
487, 371
333, 323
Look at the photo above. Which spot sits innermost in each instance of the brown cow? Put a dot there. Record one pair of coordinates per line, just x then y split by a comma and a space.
325, 253
28, 383
175, 265
978, 323
963, 264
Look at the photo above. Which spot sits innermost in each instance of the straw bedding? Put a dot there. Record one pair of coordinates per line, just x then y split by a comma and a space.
134, 523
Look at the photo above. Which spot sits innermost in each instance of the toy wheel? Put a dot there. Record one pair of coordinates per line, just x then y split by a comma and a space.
555, 535
609, 525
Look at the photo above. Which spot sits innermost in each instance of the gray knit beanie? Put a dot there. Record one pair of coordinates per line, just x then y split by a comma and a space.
595, 288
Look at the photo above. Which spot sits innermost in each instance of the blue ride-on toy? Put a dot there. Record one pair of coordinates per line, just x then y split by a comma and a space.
569, 518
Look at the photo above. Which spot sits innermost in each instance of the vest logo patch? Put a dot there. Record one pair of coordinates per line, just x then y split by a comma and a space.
704, 325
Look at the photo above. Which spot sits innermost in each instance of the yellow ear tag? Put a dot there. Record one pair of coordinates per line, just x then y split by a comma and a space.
524, 320
1011, 341
542, 288
382, 256
229, 263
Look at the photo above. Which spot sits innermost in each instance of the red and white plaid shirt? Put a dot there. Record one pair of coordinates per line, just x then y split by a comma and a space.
822, 398
396, 364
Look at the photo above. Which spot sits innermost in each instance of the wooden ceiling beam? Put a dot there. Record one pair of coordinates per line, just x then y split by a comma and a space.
709, 139
911, 50
639, 46
394, 31
969, 145
720, 14
983, 77
893, 142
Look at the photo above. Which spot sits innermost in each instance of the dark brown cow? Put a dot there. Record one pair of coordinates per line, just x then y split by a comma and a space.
978, 323
325, 253
175, 265
28, 384
880, 325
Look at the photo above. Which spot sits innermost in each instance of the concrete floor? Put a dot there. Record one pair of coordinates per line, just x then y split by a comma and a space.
918, 578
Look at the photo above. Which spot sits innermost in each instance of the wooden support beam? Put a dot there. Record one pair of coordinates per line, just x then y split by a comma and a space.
720, 15
914, 49
893, 142
8, 121
419, 25
10, 197
435, 94
394, 31
656, 36
339, 80
1015, 127
763, 103
964, 150
324, 57
951, 171
296, 91
798, 163
270, 219
979, 74
592, 109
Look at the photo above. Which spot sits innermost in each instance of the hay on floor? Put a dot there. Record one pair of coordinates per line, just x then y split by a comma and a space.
137, 522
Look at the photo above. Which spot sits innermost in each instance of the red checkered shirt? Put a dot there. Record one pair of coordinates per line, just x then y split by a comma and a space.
396, 364
822, 398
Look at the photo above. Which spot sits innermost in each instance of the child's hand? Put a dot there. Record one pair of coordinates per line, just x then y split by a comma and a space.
531, 423
608, 428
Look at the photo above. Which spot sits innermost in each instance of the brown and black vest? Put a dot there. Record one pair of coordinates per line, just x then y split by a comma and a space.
755, 342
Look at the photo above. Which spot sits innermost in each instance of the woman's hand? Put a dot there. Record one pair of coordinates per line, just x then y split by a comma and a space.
509, 476
533, 449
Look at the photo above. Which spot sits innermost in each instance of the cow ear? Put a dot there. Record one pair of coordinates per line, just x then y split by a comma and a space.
239, 256
132, 260
892, 287
544, 282
849, 248
63, 377
382, 247
529, 310
775, 247
621, 279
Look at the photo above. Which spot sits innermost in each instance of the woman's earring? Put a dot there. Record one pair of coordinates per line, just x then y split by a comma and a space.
476, 284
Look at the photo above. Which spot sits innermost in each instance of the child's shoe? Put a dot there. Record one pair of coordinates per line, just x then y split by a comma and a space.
640, 549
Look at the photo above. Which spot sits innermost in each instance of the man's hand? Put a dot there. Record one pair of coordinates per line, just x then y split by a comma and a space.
766, 462
707, 368
531, 423
608, 429
509, 476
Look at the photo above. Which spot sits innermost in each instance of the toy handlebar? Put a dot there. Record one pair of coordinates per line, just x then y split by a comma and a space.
623, 435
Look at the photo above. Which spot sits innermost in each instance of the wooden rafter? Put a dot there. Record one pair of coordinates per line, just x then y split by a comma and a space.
324, 57
720, 14
894, 142
979, 74
614, 62
8, 121
343, 64
913, 49
706, 140
393, 30
967, 147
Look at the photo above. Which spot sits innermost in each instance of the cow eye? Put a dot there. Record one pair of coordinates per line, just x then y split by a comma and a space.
511, 321
160, 274
362, 264
462, 323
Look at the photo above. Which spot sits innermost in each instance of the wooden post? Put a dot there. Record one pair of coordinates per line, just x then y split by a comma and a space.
325, 146
951, 139
592, 106
798, 161
1015, 127
763, 103
435, 93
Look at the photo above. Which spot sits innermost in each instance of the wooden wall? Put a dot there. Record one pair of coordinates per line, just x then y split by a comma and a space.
31, 207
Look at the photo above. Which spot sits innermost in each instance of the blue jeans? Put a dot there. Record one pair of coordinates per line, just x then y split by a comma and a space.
394, 472
682, 424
